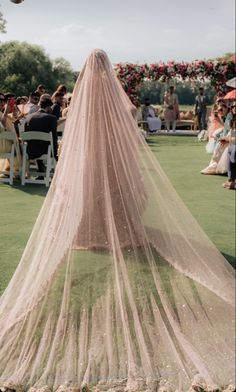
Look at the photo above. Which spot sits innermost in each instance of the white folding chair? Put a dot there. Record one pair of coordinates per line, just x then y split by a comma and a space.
8, 136
29, 171
21, 126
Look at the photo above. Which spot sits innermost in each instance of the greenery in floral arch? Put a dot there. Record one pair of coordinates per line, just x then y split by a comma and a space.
217, 72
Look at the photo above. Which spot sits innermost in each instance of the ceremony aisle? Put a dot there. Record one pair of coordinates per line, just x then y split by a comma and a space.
180, 157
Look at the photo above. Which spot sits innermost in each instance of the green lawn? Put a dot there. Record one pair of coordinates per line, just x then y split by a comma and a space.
182, 158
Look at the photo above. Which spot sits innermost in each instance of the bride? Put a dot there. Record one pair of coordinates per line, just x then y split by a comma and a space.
118, 287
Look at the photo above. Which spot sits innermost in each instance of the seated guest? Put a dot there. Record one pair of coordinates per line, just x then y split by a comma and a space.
219, 161
21, 101
42, 121
32, 104
149, 115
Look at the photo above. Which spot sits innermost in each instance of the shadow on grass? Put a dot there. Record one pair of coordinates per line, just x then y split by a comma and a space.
173, 140
32, 189
231, 259
150, 141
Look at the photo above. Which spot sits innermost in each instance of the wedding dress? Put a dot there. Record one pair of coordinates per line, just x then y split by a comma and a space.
118, 286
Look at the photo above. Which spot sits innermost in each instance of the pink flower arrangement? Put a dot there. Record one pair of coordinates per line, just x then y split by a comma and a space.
132, 75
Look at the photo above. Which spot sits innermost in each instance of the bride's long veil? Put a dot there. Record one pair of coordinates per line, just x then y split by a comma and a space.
118, 285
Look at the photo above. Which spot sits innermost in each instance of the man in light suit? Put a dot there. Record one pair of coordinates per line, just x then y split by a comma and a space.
201, 109
42, 121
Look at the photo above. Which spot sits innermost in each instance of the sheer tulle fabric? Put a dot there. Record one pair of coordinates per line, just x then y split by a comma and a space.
118, 286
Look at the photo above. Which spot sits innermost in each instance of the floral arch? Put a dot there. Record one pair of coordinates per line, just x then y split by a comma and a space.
218, 72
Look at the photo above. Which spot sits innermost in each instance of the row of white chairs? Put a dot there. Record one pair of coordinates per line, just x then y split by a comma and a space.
28, 171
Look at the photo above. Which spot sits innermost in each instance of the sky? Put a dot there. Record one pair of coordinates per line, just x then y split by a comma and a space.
128, 30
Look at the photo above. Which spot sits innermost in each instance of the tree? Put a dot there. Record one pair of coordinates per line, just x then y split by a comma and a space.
63, 73
2, 23
23, 66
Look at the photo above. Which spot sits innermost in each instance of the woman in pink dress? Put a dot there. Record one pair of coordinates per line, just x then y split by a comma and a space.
216, 126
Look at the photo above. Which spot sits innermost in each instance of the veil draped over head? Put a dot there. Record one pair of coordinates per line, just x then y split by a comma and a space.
118, 286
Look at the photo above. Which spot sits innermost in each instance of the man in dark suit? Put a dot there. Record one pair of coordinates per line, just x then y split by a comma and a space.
57, 106
42, 121
201, 109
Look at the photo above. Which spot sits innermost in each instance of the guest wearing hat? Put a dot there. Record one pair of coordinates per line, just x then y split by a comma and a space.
42, 121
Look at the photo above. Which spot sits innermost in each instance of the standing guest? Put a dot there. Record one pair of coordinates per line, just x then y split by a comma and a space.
16, 116
217, 126
231, 183
65, 110
7, 124
41, 89
219, 160
13, 111
60, 89
171, 108
57, 105
201, 109
224, 116
42, 121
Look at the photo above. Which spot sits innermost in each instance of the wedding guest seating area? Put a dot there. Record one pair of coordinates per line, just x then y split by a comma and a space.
15, 163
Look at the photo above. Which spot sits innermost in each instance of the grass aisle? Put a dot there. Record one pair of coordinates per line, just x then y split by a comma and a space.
19, 208
182, 158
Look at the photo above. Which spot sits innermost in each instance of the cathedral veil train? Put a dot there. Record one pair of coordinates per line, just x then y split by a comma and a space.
118, 286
